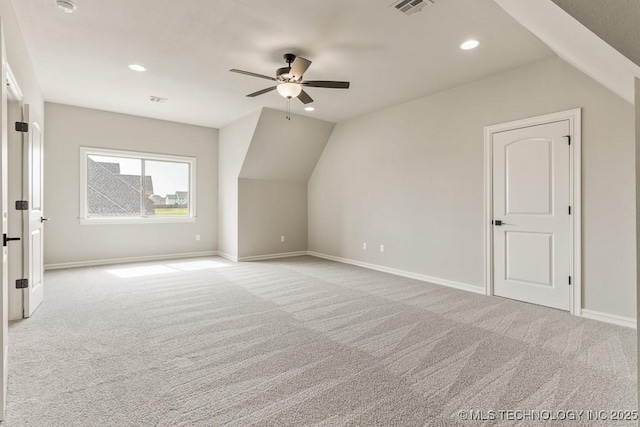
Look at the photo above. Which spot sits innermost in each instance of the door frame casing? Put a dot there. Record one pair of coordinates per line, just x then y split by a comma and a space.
16, 265
575, 197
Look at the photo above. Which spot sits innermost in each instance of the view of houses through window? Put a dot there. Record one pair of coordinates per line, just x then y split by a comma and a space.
116, 187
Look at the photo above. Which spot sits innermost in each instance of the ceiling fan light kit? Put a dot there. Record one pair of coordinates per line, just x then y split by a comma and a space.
290, 80
289, 90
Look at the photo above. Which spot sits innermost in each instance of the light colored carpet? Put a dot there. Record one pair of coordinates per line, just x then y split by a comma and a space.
297, 342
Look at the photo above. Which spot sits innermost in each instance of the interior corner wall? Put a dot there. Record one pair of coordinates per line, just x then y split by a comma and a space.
235, 139
411, 177
272, 188
269, 210
68, 241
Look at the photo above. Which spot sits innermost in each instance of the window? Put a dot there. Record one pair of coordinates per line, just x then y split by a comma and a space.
128, 187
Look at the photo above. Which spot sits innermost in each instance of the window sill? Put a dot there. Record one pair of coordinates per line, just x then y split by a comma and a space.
123, 221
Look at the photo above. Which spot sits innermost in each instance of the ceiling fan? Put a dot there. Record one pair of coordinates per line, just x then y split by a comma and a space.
290, 80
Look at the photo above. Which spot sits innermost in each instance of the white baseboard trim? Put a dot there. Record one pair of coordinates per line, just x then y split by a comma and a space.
614, 319
128, 260
227, 256
403, 273
273, 256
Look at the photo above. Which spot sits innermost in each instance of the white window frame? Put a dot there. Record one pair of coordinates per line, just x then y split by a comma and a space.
85, 152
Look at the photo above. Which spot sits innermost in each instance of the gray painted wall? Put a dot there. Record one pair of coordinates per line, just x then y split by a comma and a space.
411, 177
265, 163
235, 139
269, 210
273, 189
69, 128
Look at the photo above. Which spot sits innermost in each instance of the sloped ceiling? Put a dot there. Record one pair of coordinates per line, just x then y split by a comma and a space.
576, 44
616, 22
285, 150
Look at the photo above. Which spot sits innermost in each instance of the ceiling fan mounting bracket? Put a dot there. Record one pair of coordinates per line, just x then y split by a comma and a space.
289, 58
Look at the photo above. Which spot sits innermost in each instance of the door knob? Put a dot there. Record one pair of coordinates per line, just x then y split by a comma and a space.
43, 219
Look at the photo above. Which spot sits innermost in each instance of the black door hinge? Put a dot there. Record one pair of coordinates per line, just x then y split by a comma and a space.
569, 210
568, 138
22, 283
6, 239
22, 127
569, 280
22, 205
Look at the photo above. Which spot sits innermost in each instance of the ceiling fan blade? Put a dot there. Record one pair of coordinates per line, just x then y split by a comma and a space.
299, 66
249, 73
326, 83
260, 92
305, 98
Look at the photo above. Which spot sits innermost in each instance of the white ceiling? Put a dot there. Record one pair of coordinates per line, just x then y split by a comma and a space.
188, 46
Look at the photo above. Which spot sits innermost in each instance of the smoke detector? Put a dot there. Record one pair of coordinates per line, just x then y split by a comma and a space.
66, 6
158, 99
409, 7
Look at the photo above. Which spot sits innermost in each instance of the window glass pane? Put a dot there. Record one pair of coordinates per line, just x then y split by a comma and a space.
167, 188
113, 187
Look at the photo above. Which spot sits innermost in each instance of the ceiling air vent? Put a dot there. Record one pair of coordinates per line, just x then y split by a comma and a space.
409, 7
157, 99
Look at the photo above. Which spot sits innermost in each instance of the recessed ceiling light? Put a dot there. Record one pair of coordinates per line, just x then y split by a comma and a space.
136, 67
309, 109
469, 44
66, 6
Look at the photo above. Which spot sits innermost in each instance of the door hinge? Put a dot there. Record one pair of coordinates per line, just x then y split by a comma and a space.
22, 127
569, 280
22, 283
6, 239
568, 138
569, 210
22, 205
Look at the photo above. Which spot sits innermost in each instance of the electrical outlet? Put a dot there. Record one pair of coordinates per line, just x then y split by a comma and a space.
381, 248
197, 237
282, 239
364, 246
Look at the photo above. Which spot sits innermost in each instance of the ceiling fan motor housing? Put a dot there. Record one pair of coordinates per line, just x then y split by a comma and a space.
284, 74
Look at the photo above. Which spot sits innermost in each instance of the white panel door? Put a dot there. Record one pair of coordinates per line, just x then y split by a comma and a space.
34, 219
531, 199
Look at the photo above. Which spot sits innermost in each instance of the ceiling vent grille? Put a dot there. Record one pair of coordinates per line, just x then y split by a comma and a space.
409, 7
157, 99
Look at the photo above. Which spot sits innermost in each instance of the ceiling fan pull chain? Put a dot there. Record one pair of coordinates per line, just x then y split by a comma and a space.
289, 108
